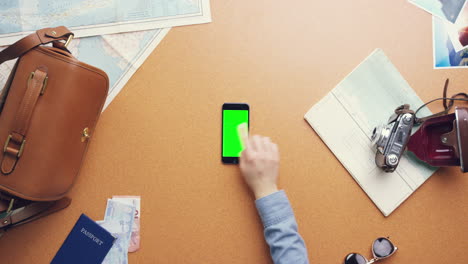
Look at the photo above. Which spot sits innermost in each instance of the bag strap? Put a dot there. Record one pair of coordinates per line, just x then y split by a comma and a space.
42, 36
28, 211
16, 140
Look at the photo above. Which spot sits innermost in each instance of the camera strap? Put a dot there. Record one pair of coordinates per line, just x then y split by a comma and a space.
456, 97
401, 110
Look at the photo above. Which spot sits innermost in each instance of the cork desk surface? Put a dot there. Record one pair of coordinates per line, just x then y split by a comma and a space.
160, 138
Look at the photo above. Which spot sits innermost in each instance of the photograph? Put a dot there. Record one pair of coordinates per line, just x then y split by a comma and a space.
458, 32
445, 9
445, 55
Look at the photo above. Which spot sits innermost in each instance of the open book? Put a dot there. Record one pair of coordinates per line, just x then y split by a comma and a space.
346, 117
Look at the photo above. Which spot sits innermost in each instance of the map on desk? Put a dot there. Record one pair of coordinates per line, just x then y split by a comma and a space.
119, 55
19, 18
345, 118
109, 46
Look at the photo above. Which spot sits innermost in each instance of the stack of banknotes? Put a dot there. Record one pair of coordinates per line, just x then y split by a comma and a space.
122, 220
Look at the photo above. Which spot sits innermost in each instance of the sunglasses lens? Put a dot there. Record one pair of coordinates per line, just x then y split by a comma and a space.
382, 247
354, 258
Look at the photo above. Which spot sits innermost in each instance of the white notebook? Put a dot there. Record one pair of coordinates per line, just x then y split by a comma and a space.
346, 117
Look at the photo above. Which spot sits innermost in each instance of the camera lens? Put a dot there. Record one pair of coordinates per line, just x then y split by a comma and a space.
381, 134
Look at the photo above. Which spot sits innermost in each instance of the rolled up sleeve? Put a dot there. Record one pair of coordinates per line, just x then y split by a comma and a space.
280, 229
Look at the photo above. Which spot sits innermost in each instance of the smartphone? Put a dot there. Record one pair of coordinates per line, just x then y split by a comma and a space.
233, 114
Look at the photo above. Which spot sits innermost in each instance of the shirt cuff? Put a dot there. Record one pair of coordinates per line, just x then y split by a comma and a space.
274, 208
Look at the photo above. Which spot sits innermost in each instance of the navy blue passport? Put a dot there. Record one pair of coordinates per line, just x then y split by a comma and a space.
87, 243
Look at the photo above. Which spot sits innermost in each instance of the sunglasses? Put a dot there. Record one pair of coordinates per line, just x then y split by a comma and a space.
381, 248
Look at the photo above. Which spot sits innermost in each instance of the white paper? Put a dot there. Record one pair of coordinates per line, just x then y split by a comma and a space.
346, 117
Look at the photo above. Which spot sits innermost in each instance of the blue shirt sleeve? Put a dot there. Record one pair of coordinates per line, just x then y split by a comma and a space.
280, 229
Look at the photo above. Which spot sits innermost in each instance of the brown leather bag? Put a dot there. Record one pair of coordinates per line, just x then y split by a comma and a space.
49, 108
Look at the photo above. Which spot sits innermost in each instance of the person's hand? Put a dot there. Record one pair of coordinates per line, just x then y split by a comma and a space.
259, 164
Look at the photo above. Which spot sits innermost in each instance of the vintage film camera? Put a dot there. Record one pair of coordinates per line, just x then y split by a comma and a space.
441, 140
391, 139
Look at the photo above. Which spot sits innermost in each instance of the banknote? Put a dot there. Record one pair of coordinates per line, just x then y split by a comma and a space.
118, 253
134, 201
121, 217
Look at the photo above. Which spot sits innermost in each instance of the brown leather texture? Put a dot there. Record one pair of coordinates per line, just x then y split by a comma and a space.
50, 124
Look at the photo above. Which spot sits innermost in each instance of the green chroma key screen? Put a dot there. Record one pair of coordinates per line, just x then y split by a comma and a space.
232, 146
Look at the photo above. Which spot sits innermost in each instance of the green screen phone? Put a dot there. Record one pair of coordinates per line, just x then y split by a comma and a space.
233, 115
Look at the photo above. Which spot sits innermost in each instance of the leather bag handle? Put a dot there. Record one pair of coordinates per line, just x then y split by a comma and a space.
42, 36
16, 140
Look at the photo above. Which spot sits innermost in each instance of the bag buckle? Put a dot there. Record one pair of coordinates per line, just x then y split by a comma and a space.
21, 147
85, 135
8, 211
70, 38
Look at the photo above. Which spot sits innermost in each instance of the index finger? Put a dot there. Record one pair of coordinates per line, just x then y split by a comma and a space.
243, 133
